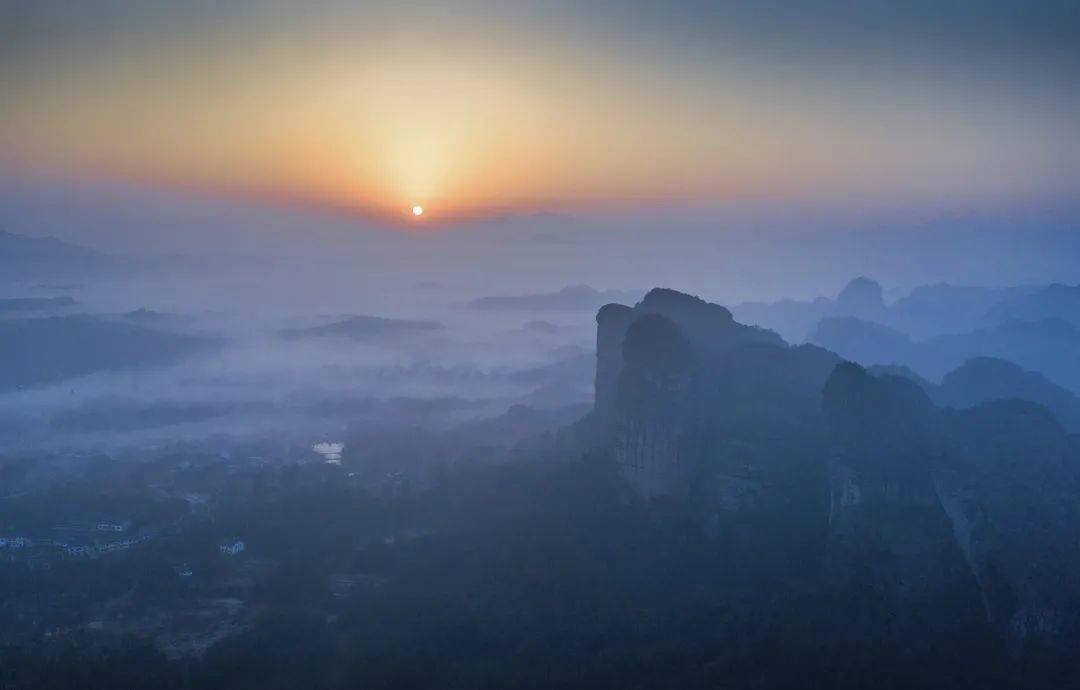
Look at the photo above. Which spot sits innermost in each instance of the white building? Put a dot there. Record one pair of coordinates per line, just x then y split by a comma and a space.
231, 547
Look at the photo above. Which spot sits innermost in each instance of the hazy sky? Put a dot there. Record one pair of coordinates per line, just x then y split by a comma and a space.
482, 107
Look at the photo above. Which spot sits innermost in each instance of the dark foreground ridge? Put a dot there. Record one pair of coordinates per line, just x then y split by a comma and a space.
945, 515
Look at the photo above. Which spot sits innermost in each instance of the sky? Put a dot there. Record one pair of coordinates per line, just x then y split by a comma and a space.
481, 108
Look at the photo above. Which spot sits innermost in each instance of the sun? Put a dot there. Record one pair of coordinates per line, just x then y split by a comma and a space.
418, 210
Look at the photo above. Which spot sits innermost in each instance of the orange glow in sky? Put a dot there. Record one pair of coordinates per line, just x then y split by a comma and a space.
489, 117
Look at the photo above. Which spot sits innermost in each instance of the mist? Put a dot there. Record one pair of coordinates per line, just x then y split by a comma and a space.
246, 275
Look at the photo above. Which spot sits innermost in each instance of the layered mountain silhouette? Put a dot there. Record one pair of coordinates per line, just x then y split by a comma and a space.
1055, 301
1050, 347
926, 312
931, 310
937, 328
986, 379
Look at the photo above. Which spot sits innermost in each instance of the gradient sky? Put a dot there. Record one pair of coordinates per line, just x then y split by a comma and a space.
484, 107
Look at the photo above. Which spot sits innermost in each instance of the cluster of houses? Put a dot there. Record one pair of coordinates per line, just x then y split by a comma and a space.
15, 542
84, 540
108, 547
79, 539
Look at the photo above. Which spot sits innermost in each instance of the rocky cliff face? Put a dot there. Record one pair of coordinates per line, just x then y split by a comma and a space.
888, 533
652, 406
986, 494
1008, 480
694, 401
611, 323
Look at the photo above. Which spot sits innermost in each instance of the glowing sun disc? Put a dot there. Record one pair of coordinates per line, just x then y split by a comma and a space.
418, 210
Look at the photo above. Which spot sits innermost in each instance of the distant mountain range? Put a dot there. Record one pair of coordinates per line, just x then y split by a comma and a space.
46, 350
571, 298
50, 260
927, 311
23, 305
1055, 301
1049, 346
986, 379
365, 328
937, 328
